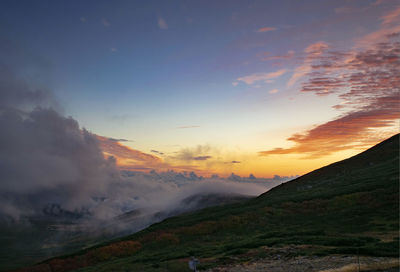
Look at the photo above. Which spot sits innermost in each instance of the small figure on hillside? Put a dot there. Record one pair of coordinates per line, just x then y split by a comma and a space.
193, 262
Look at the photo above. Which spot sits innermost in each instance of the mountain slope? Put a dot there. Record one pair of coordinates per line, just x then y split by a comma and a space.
348, 207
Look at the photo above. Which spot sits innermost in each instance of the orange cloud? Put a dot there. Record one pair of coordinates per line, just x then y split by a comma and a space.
127, 157
352, 130
114, 148
134, 160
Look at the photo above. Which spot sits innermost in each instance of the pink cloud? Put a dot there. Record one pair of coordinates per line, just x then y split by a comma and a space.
250, 79
312, 51
266, 29
105, 22
289, 55
299, 72
390, 26
316, 49
274, 91
367, 81
391, 17
162, 24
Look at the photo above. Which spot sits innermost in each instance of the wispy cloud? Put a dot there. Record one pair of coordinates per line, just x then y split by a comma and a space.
347, 9
119, 140
312, 51
202, 158
273, 91
189, 126
266, 29
113, 49
162, 24
157, 152
83, 19
390, 25
391, 17
266, 77
112, 147
289, 55
105, 22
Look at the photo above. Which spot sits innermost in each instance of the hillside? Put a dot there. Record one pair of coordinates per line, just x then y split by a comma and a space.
349, 207
58, 232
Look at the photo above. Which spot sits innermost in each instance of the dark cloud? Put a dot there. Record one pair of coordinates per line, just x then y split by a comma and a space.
118, 140
19, 95
47, 158
157, 152
233, 162
202, 158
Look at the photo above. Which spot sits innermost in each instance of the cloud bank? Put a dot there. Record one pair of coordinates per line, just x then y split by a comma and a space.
45, 157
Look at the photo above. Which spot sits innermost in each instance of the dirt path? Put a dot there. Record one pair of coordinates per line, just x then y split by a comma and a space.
309, 264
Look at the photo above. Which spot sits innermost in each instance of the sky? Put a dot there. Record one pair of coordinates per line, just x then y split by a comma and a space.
215, 87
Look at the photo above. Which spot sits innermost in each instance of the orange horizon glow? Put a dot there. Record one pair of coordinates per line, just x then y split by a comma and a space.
263, 167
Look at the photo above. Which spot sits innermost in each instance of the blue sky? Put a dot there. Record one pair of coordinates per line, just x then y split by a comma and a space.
140, 70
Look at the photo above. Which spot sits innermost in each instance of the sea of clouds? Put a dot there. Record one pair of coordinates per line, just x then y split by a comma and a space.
48, 160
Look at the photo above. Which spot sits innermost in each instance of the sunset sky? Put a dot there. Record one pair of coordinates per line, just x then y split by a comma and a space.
215, 87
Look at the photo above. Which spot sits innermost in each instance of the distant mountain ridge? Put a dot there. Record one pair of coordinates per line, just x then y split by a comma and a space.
347, 169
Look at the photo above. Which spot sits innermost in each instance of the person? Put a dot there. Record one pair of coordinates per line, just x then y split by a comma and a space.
193, 262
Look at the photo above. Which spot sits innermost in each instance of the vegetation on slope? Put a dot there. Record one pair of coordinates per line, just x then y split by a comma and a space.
349, 207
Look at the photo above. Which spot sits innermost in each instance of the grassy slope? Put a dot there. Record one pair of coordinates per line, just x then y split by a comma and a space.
348, 207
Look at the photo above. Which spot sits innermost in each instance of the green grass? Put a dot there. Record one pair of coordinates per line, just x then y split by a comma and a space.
343, 208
